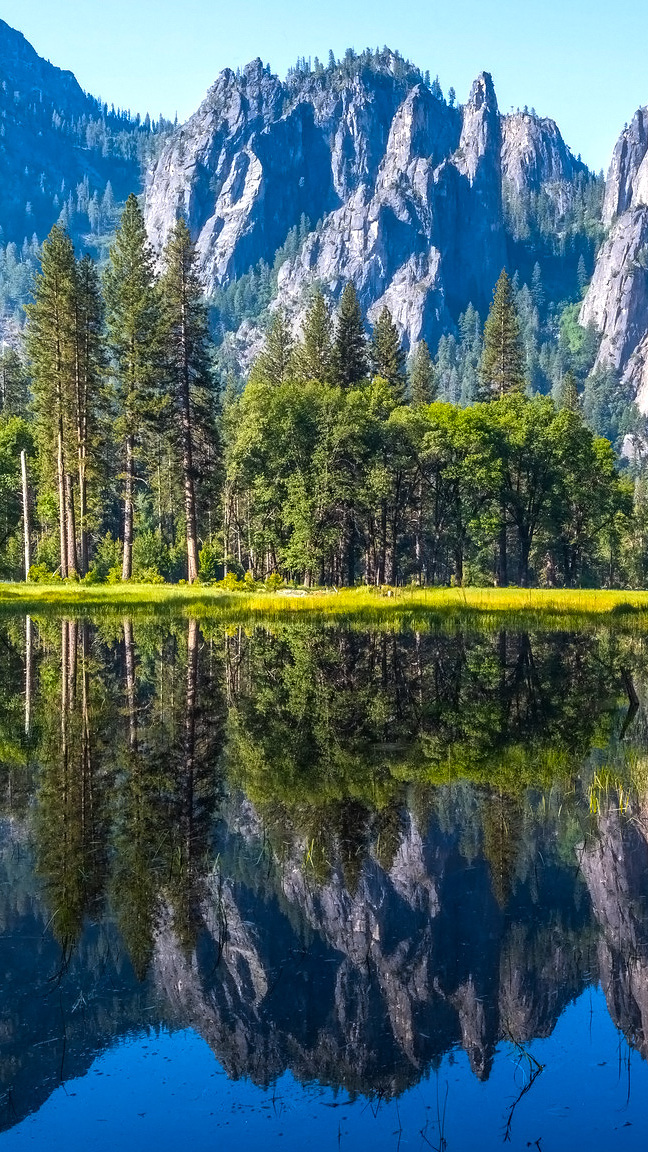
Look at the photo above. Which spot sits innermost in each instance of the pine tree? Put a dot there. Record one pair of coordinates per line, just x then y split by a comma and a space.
350, 347
14, 384
581, 274
187, 370
502, 363
132, 321
567, 390
50, 350
423, 387
537, 287
90, 363
276, 362
386, 354
314, 356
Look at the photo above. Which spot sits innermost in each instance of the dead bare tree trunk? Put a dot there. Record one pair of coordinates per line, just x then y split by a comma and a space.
25, 504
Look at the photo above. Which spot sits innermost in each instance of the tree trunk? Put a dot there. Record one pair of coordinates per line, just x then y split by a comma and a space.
351, 549
502, 559
383, 544
83, 512
61, 501
187, 454
129, 486
72, 565
25, 504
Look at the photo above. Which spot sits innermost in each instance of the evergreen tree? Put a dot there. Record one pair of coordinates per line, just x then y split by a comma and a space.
90, 362
386, 354
350, 348
276, 361
502, 363
422, 377
567, 393
581, 274
314, 357
537, 286
14, 384
132, 321
187, 370
50, 349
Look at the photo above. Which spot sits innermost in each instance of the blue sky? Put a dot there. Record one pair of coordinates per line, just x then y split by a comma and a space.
583, 63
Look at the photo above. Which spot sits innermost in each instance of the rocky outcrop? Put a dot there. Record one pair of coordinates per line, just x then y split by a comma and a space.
403, 192
625, 187
534, 155
617, 299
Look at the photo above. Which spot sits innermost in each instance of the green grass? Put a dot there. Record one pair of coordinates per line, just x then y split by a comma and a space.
413, 605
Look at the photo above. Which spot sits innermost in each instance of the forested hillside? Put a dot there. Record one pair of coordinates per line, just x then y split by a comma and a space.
65, 157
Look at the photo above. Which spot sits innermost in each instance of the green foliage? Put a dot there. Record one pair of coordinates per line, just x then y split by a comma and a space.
422, 379
275, 363
150, 555
314, 356
386, 354
350, 347
210, 563
107, 560
501, 367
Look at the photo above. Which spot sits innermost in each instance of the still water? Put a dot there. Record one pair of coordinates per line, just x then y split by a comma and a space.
315, 886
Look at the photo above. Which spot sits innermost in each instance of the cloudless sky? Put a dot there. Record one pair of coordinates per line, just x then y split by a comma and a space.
582, 62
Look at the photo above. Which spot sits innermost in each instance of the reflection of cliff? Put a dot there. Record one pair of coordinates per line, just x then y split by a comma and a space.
614, 863
367, 989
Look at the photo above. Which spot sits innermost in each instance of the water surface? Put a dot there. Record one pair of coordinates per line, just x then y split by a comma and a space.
321, 885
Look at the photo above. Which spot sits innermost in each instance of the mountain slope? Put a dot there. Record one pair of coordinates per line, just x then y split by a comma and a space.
388, 184
63, 154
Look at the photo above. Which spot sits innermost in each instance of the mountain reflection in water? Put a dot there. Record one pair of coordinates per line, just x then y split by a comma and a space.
335, 853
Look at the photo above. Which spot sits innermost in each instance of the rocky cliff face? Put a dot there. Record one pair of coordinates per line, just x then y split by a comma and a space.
403, 192
617, 299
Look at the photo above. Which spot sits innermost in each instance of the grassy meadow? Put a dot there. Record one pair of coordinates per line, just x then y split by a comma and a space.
554, 607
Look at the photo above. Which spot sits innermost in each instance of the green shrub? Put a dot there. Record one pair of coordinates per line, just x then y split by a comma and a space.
210, 564
150, 576
107, 559
150, 554
273, 582
41, 574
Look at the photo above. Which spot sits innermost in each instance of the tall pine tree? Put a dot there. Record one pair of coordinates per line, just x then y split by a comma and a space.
132, 321
275, 363
502, 363
423, 387
350, 348
51, 353
187, 370
89, 366
386, 353
314, 356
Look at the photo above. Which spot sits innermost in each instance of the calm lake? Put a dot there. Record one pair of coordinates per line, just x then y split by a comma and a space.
298, 886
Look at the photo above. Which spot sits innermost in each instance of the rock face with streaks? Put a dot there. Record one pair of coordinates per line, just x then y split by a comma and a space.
617, 299
402, 192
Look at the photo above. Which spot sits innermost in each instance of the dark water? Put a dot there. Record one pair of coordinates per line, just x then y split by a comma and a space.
321, 888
